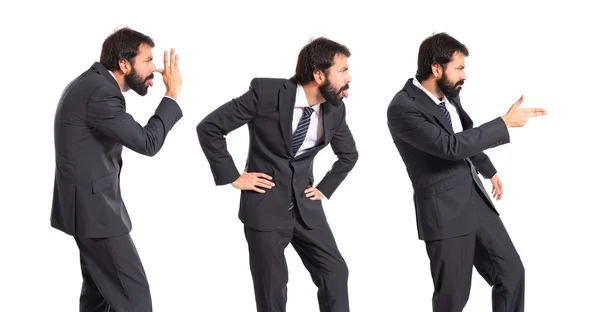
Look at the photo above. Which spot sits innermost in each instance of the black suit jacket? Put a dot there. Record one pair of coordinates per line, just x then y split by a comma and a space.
91, 127
442, 166
267, 108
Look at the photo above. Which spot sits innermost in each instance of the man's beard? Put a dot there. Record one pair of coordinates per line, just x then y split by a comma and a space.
331, 95
137, 83
449, 89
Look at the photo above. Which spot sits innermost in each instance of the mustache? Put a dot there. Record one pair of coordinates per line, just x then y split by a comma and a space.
460, 83
151, 76
344, 88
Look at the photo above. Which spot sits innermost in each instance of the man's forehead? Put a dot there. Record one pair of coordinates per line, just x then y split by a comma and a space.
458, 57
144, 50
340, 60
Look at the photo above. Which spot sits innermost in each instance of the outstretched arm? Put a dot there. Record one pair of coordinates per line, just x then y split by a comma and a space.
409, 125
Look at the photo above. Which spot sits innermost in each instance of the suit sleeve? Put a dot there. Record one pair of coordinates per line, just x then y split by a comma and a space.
106, 113
215, 126
407, 124
484, 165
344, 147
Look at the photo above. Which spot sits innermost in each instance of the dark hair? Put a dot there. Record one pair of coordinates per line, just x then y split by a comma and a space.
317, 55
122, 44
437, 49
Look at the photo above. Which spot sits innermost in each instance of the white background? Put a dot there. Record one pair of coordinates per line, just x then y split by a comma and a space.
186, 229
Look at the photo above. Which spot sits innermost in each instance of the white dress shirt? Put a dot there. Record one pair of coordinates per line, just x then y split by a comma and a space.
456, 123
314, 134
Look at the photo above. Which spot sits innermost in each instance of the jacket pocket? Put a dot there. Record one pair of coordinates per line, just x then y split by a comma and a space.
440, 187
103, 183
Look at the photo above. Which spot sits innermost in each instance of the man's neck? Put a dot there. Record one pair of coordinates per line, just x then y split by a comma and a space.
313, 95
120, 78
431, 86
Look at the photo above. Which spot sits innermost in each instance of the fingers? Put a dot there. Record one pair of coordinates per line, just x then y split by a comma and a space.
256, 189
172, 58
519, 101
497, 190
261, 180
534, 112
312, 193
166, 60
159, 71
169, 62
500, 190
497, 194
257, 181
264, 183
262, 175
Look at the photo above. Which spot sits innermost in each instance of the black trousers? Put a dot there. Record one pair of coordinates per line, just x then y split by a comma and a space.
490, 249
319, 254
114, 279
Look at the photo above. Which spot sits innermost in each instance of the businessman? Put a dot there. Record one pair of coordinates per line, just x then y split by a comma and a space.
91, 127
443, 154
290, 121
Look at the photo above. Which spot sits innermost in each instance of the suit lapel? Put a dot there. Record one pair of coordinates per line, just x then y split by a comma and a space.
465, 120
427, 103
285, 106
327, 122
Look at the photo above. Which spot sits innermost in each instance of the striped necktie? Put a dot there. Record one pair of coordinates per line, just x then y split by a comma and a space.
301, 130
442, 106
300, 134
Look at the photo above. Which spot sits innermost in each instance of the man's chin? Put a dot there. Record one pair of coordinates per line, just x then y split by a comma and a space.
337, 103
141, 92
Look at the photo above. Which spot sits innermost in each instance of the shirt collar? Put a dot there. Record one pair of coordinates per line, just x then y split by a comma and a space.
302, 102
435, 99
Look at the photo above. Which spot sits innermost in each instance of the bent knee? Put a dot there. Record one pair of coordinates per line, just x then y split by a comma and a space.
514, 277
338, 272
140, 298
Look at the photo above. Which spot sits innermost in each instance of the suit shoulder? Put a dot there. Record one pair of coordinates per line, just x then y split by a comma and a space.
268, 83
83, 85
401, 101
268, 88
91, 81
99, 85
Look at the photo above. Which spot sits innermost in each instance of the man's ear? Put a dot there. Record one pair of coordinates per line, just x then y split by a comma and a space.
319, 76
125, 66
437, 70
